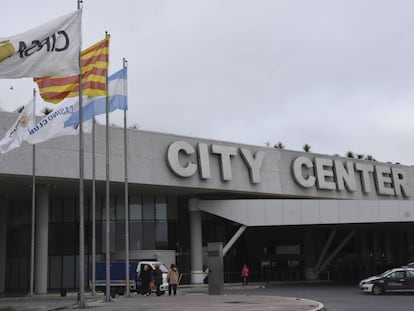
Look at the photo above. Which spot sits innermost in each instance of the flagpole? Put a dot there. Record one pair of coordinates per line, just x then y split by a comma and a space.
32, 248
93, 211
108, 259
81, 192
127, 291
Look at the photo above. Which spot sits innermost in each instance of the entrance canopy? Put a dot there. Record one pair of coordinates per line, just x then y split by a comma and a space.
271, 212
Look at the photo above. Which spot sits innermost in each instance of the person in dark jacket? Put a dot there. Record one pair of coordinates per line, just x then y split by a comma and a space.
145, 281
157, 274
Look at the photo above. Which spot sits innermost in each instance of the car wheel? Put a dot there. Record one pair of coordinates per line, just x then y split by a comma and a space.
377, 289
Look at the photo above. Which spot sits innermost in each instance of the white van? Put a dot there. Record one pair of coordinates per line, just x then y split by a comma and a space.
151, 265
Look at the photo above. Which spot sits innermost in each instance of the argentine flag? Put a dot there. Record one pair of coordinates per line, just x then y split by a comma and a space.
97, 105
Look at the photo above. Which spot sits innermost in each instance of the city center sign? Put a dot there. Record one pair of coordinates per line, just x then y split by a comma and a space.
329, 174
225, 154
322, 173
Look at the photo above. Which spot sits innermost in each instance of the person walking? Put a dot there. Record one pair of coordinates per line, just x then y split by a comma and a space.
172, 279
157, 273
245, 274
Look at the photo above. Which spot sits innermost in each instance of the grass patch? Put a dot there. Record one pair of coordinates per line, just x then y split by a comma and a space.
7, 309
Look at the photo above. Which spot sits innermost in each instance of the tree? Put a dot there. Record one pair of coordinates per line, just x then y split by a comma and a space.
350, 154
360, 156
306, 147
279, 145
369, 158
46, 111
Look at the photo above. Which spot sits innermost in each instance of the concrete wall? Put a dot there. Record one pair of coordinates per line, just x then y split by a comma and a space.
148, 165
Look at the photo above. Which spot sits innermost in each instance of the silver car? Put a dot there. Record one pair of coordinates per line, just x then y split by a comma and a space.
393, 280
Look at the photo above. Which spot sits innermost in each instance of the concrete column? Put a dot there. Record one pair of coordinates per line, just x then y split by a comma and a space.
3, 244
196, 242
41, 241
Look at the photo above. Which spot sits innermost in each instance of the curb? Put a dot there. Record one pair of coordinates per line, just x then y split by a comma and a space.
320, 307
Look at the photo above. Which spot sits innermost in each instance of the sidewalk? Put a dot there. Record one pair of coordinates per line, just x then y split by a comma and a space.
205, 302
188, 299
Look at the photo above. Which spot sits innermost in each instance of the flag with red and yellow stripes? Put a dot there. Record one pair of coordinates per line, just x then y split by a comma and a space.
94, 62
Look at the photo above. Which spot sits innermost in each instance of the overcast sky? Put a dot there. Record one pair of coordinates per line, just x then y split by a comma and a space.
335, 74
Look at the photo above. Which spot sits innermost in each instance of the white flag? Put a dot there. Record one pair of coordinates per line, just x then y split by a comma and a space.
18, 132
51, 49
52, 125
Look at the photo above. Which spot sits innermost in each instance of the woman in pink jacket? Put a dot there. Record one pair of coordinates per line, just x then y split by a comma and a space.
245, 274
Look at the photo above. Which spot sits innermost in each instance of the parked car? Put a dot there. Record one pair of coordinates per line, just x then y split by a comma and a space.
393, 280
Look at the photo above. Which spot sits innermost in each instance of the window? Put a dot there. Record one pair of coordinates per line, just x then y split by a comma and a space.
99, 208
69, 210
397, 275
135, 235
160, 208
120, 208
148, 212
69, 235
68, 271
56, 211
55, 272
111, 208
119, 236
135, 208
55, 239
148, 235
172, 208
161, 234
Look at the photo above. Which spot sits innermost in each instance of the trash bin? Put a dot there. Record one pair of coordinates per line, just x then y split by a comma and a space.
63, 292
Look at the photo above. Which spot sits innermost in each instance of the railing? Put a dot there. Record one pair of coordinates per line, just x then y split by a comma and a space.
255, 276
268, 276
